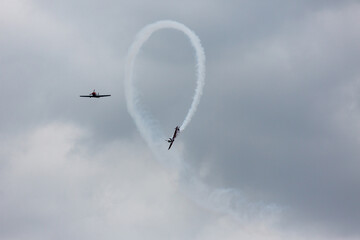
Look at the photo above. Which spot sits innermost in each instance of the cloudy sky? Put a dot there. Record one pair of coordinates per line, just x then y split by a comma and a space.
278, 123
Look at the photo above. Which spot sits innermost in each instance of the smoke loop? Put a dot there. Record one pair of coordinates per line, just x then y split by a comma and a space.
141, 38
228, 201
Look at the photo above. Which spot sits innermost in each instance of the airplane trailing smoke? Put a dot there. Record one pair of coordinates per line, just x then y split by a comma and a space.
227, 201
141, 38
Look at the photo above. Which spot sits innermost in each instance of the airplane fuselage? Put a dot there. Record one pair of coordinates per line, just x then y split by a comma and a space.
171, 140
94, 95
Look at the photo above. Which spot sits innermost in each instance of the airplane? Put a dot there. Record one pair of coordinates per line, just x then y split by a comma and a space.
171, 140
94, 95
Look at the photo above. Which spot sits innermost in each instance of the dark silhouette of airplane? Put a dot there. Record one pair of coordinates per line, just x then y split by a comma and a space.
171, 140
94, 95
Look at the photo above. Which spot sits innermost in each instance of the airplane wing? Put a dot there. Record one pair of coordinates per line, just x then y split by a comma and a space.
170, 145
103, 96
85, 96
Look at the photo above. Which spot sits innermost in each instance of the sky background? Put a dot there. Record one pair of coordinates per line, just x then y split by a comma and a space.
279, 120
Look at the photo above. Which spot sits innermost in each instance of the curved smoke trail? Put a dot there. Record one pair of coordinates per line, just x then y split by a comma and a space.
141, 38
228, 201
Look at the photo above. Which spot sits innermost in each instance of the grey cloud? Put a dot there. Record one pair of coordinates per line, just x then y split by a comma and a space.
283, 127
278, 118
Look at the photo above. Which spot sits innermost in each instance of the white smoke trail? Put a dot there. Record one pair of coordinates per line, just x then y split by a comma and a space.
141, 38
228, 201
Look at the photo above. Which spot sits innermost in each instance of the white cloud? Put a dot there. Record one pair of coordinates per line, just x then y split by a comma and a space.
52, 188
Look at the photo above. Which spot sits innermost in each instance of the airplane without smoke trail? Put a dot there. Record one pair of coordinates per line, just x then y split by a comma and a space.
171, 140
94, 95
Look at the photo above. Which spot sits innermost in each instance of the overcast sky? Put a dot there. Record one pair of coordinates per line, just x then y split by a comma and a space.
279, 120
